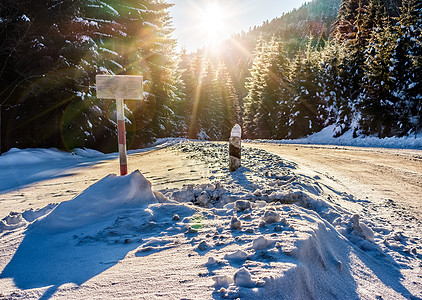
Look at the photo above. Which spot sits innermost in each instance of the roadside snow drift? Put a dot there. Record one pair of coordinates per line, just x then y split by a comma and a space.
109, 196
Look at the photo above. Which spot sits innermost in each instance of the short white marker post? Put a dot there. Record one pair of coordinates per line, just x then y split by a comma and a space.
235, 148
120, 87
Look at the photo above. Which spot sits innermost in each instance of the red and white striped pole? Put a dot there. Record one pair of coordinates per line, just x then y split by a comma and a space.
120, 87
121, 131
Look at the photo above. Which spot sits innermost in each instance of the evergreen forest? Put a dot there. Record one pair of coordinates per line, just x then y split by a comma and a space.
354, 64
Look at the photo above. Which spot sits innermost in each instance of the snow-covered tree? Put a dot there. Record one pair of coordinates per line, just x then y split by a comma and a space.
308, 110
255, 87
273, 110
230, 104
378, 102
334, 81
408, 66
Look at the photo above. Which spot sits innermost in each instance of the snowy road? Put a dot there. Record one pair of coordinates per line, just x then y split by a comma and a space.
374, 174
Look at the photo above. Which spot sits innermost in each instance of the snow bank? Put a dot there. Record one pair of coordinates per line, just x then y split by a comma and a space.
107, 197
32, 156
325, 137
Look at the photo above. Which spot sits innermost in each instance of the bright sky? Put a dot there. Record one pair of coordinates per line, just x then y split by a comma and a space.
201, 22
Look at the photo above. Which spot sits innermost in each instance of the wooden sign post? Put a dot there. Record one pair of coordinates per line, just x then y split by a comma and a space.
120, 87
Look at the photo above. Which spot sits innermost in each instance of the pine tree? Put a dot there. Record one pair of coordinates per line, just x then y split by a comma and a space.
351, 68
408, 66
378, 101
308, 109
339, 104
273, 111
230, 102
255, 86
213, 106
195, 96
188, 68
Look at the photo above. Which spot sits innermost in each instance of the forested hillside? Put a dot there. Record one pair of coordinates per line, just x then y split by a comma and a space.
359, 68
355, 64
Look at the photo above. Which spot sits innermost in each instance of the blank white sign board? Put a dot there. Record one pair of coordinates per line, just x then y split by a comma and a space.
119, 87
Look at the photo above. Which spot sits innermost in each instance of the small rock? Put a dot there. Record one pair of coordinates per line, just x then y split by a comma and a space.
203, 199
176, 217
203, 246
145, 249
278, 228
192, 229
257, 193
246, 217
271, 216
235, 223
242, 205
261, 203
260, 283
211, 261
398, 236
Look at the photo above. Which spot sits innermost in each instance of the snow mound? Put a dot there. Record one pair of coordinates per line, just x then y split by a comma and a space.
261, 243
243, 278
105, 198
238, 255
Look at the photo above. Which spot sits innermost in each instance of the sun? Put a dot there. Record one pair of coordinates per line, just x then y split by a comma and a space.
213, 23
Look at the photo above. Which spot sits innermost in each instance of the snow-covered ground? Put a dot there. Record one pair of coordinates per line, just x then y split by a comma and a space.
265, 231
